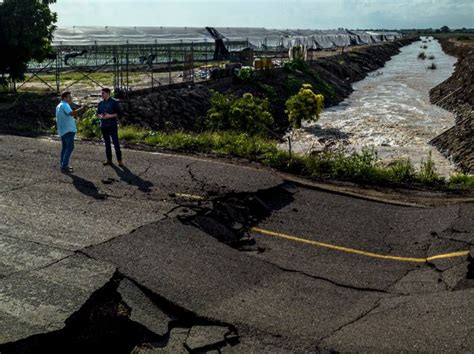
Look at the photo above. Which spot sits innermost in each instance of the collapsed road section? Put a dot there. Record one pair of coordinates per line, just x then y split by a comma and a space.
266, 265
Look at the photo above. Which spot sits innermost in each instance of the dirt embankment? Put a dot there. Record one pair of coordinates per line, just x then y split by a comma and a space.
180, 107
27, 112
457, 95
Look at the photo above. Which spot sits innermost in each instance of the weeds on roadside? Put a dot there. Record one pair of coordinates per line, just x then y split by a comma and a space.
461, 181
360, 167
427, 173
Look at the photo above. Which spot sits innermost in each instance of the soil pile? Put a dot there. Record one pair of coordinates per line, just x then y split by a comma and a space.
457, 95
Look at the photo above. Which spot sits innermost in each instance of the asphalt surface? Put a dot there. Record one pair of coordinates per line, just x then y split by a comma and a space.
196, 254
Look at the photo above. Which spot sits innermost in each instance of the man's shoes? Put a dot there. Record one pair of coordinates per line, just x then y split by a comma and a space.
107, 163
120, 163
67, 170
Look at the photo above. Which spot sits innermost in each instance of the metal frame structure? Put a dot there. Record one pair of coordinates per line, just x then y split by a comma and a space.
135, 66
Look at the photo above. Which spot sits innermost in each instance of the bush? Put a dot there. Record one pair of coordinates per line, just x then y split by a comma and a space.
462, 38
432, 66
296, 65
304, 106
268, 90
88, 126
427, 173
431, 57
246, 74
461, 181
132, 134
246, 114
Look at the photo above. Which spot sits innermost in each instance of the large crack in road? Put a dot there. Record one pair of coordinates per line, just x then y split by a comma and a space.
193, 275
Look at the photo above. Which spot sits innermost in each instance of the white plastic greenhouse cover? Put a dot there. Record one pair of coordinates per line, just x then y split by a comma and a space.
257, 37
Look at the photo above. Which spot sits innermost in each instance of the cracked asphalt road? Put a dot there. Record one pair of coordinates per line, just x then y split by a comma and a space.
167, 249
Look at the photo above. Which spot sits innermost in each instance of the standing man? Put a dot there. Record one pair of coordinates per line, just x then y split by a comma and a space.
108, 112
66, 124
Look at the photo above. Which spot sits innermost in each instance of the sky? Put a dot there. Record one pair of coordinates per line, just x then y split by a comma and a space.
296, 14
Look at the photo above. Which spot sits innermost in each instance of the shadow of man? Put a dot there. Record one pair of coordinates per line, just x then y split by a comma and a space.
86, 187
129, 177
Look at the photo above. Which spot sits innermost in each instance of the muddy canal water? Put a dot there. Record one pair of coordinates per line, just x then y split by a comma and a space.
389, 110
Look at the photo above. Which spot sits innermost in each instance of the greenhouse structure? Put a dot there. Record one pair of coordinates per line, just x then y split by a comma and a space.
166, 55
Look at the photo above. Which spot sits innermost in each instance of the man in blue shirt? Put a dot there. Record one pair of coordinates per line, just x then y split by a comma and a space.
66, 124
108, 111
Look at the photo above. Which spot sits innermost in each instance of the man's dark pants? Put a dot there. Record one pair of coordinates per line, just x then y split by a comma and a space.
111, 132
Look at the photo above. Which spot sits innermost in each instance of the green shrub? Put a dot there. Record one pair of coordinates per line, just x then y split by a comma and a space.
268, 90
401, 171
250, 114
246, 73
461, 181
427, 173
304, 106
132, 134
296, 65
293, 85
247, 114
88, 126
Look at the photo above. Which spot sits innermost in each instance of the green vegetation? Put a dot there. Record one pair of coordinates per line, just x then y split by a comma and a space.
245, 114
461, 181
432, 66
27, 32
88, 126
247, 74
293, 83
268, 90
431, 57
361, 167
304, 106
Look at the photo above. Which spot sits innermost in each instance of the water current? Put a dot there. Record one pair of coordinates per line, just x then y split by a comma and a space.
389, 110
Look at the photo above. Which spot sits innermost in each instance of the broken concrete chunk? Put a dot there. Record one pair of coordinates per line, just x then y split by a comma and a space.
144, 311
41, 301
204, 336
174, 345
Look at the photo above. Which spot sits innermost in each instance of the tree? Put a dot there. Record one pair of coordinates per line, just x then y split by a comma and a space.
444, 29
27, 28
304, 106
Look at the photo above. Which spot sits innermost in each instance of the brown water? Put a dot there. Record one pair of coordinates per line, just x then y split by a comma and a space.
389, 111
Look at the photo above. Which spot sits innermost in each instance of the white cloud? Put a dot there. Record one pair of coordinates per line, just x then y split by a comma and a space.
269, 13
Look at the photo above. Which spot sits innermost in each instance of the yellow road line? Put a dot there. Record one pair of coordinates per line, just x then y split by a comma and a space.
359, 252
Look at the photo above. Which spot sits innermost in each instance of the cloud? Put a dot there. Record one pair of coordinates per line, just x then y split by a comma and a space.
269, 13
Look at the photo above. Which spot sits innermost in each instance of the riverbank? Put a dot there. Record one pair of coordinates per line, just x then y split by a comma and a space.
457, 95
